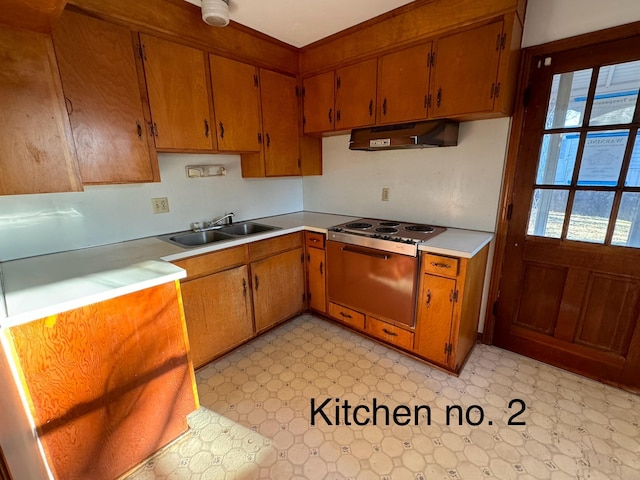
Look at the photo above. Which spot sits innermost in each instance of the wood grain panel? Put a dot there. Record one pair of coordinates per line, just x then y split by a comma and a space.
218, 312
214, 262
271, 246
100, 82
356, 95
314, 239
37, 154
107, 376
346, 315
39, 15
317, 279
389, 333
542, 289
183, 22
610, 314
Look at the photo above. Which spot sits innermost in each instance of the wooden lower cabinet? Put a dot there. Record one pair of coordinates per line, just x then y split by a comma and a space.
449, 298
217, 309
109, 383
347, 316
278, 288
316, 271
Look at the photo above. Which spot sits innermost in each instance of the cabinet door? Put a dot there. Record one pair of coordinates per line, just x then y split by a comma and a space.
279, 124
236, 101
403, 85
100, 82
465, 71
356, 95
319, 108
278, 288
37, 153
435, 314
178, 95
217, 310
316, 267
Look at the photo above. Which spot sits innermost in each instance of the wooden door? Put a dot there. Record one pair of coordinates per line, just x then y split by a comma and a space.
316, 269
177, 82
217, 310
570, 288
464, 77
37, 153
319, 105
279, 124
403, 85
356, 95
236, 101
100, 82
278, 288
434, 320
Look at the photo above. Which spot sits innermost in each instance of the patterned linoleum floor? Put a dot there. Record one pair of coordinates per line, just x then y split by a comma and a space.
255, 420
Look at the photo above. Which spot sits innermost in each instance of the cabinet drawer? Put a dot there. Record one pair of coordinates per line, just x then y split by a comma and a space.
389, 333
271, 246
314, 239
346, 315
213, 262
440, 265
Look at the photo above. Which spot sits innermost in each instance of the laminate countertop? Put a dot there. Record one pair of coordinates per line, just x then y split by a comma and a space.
45, 285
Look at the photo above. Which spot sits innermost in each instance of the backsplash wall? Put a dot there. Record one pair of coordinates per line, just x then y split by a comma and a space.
40, 224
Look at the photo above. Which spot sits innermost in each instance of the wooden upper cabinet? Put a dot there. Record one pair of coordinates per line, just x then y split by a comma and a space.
108, 119
37, 15
319, 105
236, 101
403, 85
177, 83
464, 79
356, 95
37, 153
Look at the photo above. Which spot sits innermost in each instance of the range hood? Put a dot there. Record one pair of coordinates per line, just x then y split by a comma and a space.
432, 133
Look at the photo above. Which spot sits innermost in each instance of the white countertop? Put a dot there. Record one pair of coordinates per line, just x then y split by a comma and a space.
40, 286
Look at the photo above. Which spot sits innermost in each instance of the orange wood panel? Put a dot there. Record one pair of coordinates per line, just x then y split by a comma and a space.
100, 83
36, 15
317, 278
214, 262
440, 265
271, 246
109, 383
356, 95
403, 84
311, 155
314, 239
397, 336
319, 102
346, 315
37, 153
178, 88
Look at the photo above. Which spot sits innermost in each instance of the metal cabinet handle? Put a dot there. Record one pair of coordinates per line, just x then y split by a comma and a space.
139, 129
206, 128
384, 107
69, 105
321, 268
244, 287
256, 282
389, 332
345, 315
440, 265
439, 98
428, 298
268, 140
331, 115
371, 108
221, 130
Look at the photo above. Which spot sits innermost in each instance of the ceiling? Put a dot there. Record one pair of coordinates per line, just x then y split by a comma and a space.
301, 22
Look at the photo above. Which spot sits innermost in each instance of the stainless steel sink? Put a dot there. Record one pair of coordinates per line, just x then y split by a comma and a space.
247, 228
229, 232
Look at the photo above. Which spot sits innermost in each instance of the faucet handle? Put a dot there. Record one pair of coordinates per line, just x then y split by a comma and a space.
195, 226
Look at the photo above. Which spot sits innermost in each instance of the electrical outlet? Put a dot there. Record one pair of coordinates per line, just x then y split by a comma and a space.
160, 205
385, 194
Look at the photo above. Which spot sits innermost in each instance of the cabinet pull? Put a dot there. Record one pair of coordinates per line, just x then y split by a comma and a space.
206, 128
345, 315
244, 287
259, 138
371, 108
221, 130
256, 282
389, 332
321, 268
384, 107
428, 298
69, 105
268, 140
139, 129
440, 265
314, 240
439, 98
331, 115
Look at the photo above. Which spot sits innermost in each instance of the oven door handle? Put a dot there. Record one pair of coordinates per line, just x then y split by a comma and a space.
381, 256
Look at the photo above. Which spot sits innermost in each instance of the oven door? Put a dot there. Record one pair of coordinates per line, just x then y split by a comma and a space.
372, 281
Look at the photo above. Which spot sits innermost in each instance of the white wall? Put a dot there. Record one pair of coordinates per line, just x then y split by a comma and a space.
453, 186
549, 20
39, 224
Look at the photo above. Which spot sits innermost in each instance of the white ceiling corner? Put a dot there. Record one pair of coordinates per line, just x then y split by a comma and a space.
301, 22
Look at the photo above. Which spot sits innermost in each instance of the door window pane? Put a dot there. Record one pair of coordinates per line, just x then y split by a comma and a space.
616, 94
627, 229
602, 157
567, 100
590, 216
547, 213
633, 175
557, 158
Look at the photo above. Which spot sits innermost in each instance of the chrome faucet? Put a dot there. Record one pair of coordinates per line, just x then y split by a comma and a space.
213, 224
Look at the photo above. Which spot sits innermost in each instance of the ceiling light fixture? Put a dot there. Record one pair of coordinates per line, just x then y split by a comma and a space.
215, 12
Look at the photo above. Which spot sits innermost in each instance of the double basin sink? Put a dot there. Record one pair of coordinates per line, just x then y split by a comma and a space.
226, 232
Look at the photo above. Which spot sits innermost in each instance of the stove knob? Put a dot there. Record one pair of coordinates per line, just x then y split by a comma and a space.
386, 237
375, 235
